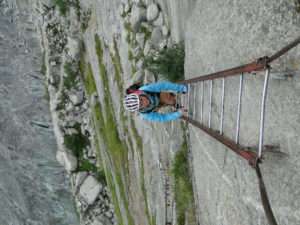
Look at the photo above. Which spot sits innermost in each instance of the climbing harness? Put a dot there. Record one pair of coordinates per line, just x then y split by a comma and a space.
253, 157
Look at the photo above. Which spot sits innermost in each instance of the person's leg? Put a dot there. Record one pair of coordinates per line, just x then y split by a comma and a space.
167, 98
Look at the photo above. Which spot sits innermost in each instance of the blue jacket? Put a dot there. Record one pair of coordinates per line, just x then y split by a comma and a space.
158, 87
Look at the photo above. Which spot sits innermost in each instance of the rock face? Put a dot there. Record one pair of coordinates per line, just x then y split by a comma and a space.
33, 187
226, 186
67, 160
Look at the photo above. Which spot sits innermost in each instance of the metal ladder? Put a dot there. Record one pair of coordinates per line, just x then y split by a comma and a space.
253, 157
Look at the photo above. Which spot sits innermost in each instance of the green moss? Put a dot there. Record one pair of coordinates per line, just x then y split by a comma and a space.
128, 27
116, 60
184, 197
297, 5
88, 76
76, 143
117, 149
139, 143
147, 32
62, 101
63, 6
90, 81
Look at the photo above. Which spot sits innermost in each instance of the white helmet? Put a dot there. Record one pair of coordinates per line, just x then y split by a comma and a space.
132, 102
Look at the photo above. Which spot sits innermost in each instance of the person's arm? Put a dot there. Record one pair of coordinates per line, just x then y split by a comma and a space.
164, 86
159, 117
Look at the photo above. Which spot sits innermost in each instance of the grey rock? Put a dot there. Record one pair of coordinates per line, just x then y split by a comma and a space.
138, 15
90, 189
96, 222
77, 98
152, 12
73, 48
148, 2
149, 77
165, 31
159, 21
147, 48
156, 37
126, 8
67, 160
163, 44
138, 76
79, 178
139, 64
140, 38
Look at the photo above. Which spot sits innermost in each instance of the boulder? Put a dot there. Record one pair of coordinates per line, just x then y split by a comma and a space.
148, 2
80, 176
90, 189
159, 22
66, 159
147, 48
77, 98
152, 12
96, 222
138, 15
156, 37
126, 8
138, 76
139, 64
165, 31
149, 77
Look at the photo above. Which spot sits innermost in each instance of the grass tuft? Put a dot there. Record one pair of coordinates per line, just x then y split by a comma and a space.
63, 6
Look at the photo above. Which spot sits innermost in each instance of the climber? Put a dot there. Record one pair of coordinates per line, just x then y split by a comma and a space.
147, 99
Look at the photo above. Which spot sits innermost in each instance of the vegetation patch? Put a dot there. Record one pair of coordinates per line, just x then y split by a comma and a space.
117, 66
167, 62
76, 142
146, 31
185, 209
63, 6
63, 99
297, 5
71, 75
87, 75
117, 149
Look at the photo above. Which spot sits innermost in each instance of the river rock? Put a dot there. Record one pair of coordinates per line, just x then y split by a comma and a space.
90, 189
